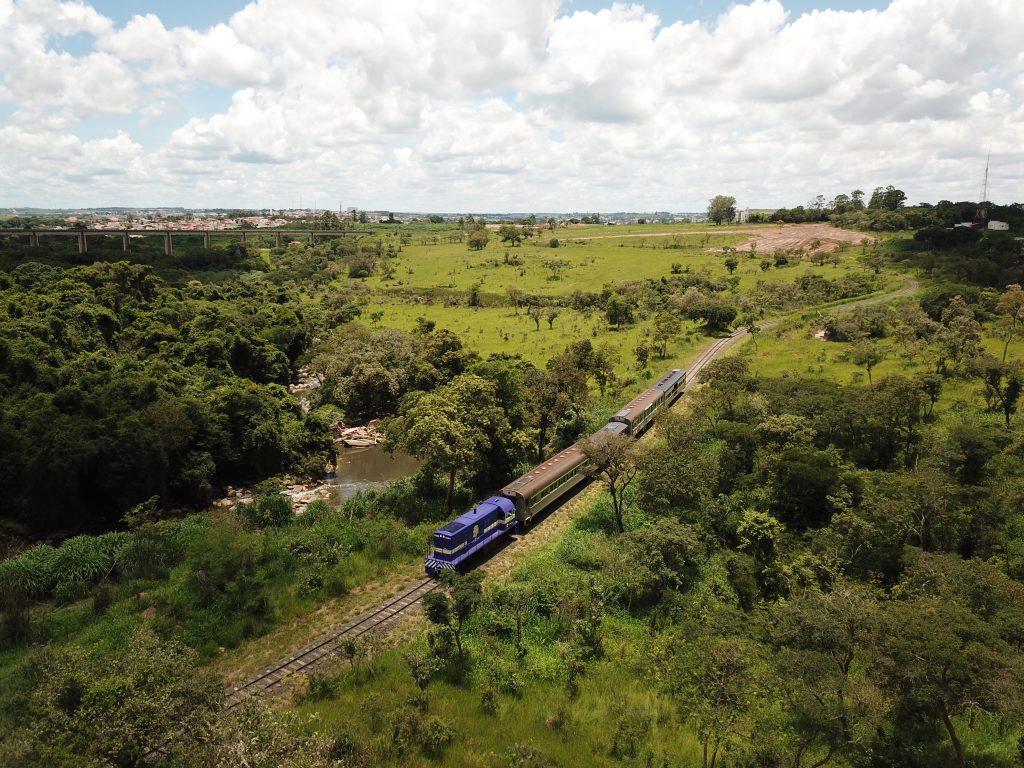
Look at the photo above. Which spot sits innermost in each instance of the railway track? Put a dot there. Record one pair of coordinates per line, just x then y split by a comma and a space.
320, 652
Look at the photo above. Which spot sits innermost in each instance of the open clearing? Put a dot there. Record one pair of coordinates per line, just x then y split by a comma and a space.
801, 237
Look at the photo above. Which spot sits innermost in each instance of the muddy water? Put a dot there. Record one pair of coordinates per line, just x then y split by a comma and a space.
362, 468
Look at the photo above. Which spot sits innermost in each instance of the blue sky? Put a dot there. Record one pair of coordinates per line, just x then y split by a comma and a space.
473, 105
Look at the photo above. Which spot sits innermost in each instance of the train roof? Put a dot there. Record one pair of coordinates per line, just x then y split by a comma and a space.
474, 515
612, 427
542, 474
638, 403
670, 378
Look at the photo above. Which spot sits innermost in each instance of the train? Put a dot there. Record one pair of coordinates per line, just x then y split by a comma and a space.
513, 507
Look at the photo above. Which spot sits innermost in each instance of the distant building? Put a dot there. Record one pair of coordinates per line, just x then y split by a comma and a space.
744, 215
1001, 225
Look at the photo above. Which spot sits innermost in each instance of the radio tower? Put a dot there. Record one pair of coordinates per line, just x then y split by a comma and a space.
983, 205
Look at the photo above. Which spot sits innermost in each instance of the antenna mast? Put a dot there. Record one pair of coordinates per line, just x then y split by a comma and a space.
984, 185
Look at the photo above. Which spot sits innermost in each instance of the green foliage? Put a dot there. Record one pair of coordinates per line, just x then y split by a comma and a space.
271, 508
722, 209
116, 387
77, 711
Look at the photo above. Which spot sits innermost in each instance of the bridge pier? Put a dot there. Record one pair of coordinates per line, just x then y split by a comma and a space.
243, 237
206, 239
311, 241
83, 245
279, 240
167, 243
33, 239
124, 241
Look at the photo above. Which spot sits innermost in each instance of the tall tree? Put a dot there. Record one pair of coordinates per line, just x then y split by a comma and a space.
722, 209
820, 638
1003, 383
866, 354
1011, 310
451, 608
452, 428
950, 644
612, 458
666, 328
714, 681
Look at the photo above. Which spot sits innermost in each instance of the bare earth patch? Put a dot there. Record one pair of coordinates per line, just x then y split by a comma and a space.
800, 237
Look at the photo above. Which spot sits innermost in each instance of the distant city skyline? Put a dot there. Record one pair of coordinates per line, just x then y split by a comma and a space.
526, 105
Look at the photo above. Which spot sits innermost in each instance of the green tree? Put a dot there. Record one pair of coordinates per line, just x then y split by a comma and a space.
1011, 310
478, 239
722, 209
510, 233
551, 315
561, 385
679, 470
666, 328
867, 355
950, 643
731, 262
328, 220
887, 199
821, 640
452, 428
612, 458
115, 711
726, 379
1003, 383
642, 353
664, 556
713, 681
931, 386
449, 609
618, 310
715, 313
959, 338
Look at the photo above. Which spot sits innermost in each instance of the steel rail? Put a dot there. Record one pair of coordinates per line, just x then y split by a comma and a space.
328, 645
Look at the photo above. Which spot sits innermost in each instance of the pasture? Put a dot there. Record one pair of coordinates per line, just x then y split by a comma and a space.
585, 261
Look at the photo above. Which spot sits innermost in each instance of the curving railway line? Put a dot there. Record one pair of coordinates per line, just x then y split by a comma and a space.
324, 649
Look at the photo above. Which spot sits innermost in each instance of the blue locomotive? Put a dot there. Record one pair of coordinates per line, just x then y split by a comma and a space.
521, 500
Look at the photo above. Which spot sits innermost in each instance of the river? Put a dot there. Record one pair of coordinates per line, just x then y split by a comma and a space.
361, 468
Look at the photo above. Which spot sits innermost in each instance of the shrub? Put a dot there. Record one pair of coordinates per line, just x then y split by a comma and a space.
102, 598
527, 756
321, 687
489, 700
271, 508
553, 242
28, 575
436, 735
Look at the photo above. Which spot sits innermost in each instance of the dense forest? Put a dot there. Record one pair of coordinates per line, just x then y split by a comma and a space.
793, 569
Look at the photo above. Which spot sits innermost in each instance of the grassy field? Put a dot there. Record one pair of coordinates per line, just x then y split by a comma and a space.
489, 330
583, 262
571, 732
793, 350
432, 279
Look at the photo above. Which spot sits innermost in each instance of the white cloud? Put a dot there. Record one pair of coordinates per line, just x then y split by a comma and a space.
514, 104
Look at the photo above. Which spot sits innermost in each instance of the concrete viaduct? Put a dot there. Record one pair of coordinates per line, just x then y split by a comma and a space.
33, 235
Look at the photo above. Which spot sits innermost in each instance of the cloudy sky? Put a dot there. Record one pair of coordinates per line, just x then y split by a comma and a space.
487, 105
